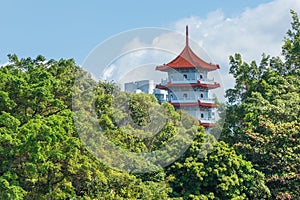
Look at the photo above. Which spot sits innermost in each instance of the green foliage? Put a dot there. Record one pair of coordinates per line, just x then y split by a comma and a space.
218, 174
43, 156
291, 47
262, 121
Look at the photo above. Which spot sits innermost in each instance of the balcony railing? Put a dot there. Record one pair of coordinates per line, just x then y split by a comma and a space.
207, 81
208, 120
181, 81
184, 81
207, 100
192, 100
184, 100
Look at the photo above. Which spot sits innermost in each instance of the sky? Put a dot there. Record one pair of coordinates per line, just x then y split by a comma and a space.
74, 29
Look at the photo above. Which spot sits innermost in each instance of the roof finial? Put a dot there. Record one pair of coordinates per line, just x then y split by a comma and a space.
187, 35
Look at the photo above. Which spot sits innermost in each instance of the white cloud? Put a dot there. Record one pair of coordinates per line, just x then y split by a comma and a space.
108, 72
136, 43
253, 32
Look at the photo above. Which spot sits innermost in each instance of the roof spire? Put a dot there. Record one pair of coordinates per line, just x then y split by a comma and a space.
187, 35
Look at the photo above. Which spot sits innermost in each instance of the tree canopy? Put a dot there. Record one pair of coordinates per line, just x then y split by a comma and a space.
262, 121
50, 149
43, 157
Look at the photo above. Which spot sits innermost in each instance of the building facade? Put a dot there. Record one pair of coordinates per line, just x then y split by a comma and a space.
143, 86
146, 87
188, 86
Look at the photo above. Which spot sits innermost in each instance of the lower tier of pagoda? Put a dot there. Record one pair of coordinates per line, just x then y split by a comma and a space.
198, 84
209, 122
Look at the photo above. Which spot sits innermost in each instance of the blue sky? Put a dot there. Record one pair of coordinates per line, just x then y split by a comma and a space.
71, 29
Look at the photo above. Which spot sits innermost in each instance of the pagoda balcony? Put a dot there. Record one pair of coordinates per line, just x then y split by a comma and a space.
207, 81
193, 100
184, 81
184, 100
209, 122
207, 100
187, 81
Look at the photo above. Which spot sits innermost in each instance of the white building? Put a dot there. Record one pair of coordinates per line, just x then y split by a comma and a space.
146, 87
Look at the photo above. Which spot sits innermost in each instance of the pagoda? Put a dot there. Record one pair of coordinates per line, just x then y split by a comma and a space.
188, 85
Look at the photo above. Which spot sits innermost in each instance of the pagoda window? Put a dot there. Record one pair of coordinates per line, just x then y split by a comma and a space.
202, 115
185, 95
201, 76
201, 95
184, 76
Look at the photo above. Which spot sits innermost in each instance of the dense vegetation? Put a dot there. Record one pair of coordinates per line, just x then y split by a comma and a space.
43, 156
263, 115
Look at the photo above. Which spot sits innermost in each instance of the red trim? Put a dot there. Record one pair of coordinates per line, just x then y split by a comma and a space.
206, 124
162, 87
198, 84
199, 103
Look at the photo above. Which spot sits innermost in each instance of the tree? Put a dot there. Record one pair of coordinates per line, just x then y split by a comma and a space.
41, 154
291, 47
262, 121
212, 170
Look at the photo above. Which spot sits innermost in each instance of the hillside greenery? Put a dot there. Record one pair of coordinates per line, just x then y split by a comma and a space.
262, 121
48, 145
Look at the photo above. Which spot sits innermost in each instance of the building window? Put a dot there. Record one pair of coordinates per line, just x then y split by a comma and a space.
185, 95
201, 95
184, 76
202, 116
201, 77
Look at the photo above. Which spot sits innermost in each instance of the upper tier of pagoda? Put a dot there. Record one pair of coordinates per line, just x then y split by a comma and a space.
188, 59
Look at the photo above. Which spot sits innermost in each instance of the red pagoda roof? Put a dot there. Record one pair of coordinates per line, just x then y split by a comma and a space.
188, 59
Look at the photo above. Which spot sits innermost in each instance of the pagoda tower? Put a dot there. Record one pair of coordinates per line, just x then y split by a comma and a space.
188, 85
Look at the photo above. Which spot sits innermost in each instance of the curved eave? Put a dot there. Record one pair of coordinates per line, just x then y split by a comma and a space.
161, 87
199, 84
199, 103
206, 124
168, 67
